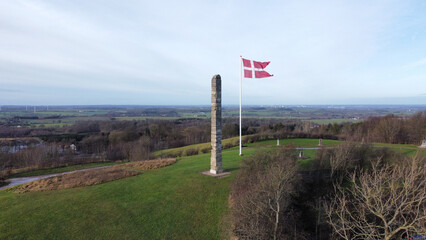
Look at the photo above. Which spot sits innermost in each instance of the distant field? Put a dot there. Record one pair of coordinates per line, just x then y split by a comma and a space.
336, 120
175, 202
60, 116
139, 118
52, 125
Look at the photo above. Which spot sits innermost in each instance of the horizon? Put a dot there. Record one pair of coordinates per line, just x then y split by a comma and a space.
224, 105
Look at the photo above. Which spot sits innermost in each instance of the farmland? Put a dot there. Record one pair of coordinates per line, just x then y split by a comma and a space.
61, 116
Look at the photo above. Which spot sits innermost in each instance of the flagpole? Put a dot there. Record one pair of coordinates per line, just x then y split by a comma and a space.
241, 91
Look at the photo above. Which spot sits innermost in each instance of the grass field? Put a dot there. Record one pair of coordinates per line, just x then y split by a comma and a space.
333, 120
198, 147
62, 116
310, 143
175, 202
52, 125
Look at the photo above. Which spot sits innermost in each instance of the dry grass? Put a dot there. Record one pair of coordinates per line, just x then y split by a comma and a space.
147, 165
92, 177
76, 179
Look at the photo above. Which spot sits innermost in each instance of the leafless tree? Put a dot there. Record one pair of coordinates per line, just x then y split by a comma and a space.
388, 128
277, 186
262, 194
340, 159
383, 203
4, 161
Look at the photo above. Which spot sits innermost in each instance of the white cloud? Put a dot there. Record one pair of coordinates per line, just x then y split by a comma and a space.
170, 50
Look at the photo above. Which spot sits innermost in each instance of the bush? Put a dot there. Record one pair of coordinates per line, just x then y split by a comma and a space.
205, 150
228, 145
190, 152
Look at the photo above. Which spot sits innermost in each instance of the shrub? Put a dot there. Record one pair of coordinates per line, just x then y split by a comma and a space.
205, 150
190, 152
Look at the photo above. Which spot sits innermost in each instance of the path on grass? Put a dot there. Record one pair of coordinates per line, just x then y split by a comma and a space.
21, 180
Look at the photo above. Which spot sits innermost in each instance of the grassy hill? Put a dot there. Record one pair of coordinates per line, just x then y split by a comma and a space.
175, 202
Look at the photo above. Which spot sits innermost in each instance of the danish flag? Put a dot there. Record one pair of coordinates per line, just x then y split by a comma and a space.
256, 69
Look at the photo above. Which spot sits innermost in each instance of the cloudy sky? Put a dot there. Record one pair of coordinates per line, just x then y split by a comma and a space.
63, 52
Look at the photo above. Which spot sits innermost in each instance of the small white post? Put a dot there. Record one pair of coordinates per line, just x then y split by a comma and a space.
278, 141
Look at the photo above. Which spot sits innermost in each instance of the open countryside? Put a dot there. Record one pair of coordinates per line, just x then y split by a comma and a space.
239, 120
174, 201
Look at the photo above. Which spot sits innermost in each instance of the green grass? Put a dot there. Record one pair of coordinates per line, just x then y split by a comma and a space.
199, 147
333, 120
297, 142
300, 142
406, 149
396, 145
139, 118
60, 170
305, 163
52, 125
175, 202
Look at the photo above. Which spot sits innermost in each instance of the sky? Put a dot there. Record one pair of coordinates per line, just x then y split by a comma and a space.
81, 52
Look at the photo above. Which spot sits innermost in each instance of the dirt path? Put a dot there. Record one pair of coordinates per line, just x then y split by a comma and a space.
21, 180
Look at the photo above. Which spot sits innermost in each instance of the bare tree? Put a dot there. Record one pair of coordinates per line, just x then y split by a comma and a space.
262, 194
388, 128
277, 186
340, 159
4, 162
382, 203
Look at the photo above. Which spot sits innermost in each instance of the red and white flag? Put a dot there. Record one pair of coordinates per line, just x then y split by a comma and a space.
256, 69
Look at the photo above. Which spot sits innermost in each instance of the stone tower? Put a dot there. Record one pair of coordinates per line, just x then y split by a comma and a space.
216, 133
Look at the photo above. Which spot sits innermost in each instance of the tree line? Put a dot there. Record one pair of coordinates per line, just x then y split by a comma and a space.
137, 140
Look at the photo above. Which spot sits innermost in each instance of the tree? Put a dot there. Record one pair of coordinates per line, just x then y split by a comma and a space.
262, 195
383, 203
388, 129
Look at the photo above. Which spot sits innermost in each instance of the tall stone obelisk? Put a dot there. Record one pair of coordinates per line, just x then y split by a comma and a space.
216, 134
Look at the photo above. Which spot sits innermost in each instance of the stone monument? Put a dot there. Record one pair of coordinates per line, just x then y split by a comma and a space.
278, 141
320, 142
216, 131
216, 169
423, 144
